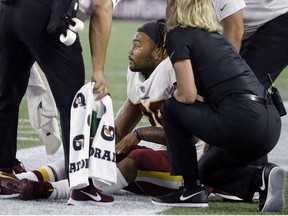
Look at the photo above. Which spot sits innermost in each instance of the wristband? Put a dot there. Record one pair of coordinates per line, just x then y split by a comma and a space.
137, 134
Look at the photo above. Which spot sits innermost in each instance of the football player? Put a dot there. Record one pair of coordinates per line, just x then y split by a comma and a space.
142, 160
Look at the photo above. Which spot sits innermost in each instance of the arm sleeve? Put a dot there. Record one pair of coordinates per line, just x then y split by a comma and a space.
177, 49
224, 8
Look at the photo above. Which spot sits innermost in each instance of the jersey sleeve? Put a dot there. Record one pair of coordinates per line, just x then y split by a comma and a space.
225, 8
84, 11
131, 86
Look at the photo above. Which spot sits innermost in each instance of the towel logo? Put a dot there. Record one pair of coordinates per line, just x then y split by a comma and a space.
79, 100
78, 142
142, 88
107, 132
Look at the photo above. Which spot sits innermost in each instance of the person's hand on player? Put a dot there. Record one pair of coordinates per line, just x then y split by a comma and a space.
101, 87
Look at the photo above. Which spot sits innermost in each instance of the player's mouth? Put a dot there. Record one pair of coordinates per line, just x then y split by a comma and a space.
130, 60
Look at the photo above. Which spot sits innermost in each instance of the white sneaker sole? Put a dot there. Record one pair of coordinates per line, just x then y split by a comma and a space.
87, 202
2, 196
275, 201
187, 205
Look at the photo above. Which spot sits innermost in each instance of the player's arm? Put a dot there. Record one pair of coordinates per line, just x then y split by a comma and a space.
152, 134
233, 29
99, 35
126, 119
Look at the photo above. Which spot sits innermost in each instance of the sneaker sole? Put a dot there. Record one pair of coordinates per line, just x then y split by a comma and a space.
87, 202
187, 205
275, 201
229, 197
2, 196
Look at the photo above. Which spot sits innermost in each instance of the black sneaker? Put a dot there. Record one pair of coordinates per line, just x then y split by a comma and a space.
271, 193
184, 198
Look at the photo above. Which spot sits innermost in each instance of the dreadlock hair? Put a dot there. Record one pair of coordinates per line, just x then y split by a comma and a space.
162, 37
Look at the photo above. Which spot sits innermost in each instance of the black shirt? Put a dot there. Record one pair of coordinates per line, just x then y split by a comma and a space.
218, 69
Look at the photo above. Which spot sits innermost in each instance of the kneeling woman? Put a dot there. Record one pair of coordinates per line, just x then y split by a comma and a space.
238, 117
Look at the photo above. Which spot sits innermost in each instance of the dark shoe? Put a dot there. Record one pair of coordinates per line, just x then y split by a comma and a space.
271, 193
184, 198
18, 167
89, 195
7, 179
31, 190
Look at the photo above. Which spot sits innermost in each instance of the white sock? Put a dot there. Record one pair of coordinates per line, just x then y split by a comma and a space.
27, 175
59, 170
121, 183
51, 172
61, 190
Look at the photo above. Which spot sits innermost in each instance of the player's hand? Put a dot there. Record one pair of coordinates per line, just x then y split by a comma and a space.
126, 144
101, 87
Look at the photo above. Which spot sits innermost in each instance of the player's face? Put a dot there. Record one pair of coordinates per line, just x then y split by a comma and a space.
141, 54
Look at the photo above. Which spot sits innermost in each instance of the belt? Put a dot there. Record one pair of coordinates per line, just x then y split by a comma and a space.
256, 98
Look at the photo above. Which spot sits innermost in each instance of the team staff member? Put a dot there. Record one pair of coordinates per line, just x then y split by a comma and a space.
23, 40
236, 109
258, 30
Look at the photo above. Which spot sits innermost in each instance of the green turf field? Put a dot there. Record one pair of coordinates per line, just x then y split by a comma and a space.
115, 70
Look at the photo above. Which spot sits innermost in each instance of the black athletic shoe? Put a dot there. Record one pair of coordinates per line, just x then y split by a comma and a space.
271, 193
184, 198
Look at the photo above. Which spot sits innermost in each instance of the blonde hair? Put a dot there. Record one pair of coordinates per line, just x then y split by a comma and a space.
193, 13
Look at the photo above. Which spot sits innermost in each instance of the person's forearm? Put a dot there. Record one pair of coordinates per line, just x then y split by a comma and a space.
233, 29
152, 134
99, 33
234, 37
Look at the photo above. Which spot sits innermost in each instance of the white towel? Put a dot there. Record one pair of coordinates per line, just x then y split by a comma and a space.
99, 161
42, 110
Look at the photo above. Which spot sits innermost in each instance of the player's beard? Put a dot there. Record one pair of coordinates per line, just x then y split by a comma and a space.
146, 65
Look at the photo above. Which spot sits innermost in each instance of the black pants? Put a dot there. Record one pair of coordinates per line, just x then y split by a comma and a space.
23, 40
240, 130
266, 51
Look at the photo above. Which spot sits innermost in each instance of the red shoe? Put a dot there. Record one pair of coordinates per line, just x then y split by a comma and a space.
89, 195
18, 167
6, 180
31, 190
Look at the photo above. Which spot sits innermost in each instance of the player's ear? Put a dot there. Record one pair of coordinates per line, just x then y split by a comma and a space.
157, 54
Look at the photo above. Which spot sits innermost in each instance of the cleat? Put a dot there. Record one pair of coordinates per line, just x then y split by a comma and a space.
6, 180
184, 198
33, 190
271, 193
89, 195
18, 167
